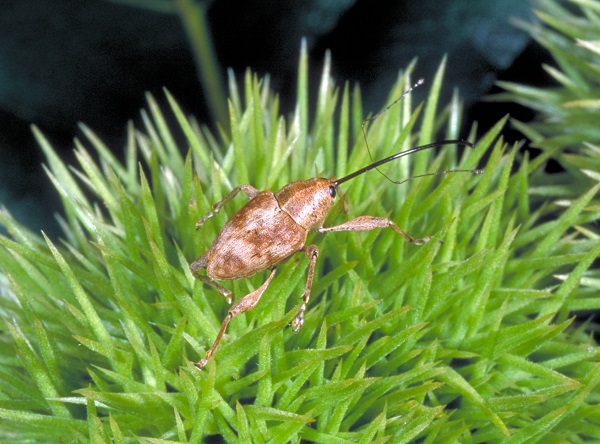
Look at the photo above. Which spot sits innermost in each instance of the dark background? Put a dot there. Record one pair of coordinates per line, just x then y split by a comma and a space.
69, 61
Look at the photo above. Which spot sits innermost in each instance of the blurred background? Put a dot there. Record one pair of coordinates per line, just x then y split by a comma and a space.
68, 61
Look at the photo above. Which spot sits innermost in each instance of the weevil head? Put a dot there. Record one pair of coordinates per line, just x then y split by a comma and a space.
308, 201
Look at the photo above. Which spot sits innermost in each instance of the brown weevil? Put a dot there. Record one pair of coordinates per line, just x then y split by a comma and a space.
271, 227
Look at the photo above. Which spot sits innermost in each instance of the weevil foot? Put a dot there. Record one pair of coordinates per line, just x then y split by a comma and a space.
200, 222
201, 363
298, 321
421, 241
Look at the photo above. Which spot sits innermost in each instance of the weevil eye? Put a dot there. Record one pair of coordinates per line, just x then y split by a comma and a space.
332, 191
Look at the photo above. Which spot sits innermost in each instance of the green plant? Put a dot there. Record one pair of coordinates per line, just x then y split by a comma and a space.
566, 128
465, 340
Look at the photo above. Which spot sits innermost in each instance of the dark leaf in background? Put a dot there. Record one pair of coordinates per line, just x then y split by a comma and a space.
68, 61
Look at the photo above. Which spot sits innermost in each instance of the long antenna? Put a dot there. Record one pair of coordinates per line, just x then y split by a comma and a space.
384, 110
406, 153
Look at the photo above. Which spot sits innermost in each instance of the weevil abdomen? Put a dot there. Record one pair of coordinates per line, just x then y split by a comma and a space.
258, 236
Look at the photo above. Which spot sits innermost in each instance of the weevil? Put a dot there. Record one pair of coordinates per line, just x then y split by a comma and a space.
273, 226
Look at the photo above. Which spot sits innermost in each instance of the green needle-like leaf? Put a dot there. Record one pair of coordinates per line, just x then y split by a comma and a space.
475, 336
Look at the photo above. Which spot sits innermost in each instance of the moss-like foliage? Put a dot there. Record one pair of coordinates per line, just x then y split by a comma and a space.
566, 128
467, 338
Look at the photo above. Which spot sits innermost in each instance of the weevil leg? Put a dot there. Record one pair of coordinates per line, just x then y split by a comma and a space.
312, 253
246, 303
248, 190
368, 223
200, 264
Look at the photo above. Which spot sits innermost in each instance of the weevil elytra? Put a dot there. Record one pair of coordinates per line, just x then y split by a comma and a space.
271, 227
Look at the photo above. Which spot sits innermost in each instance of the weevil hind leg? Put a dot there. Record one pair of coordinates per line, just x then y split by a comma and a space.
368, 223
246, 303
312, 253
200, 264
248, 190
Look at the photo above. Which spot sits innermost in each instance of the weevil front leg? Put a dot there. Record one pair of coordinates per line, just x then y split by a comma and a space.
248, 190
312, 253
246, 303
368, 223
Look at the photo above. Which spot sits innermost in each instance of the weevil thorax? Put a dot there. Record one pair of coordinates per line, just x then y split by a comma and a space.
307, 201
